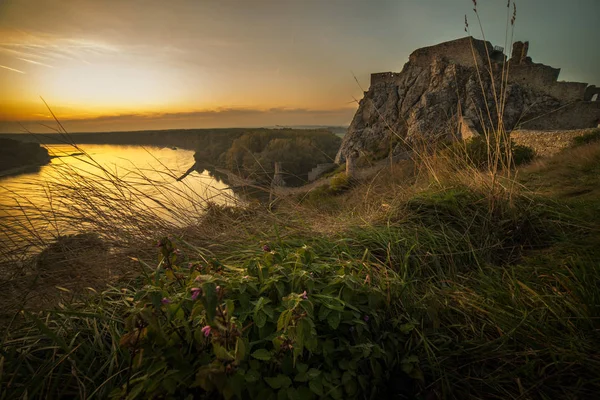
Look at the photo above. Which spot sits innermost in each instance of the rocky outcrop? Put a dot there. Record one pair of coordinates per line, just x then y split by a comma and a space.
438, 89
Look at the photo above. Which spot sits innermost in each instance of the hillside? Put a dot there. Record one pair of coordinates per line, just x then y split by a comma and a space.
407, 285
17, 155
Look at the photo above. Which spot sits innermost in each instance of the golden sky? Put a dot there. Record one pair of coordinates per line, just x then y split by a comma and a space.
133, 64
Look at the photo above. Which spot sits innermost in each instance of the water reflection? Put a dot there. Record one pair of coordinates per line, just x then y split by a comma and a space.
119, 185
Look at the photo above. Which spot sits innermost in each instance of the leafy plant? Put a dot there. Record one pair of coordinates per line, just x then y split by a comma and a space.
588, 138
339, 182
283, 325
479, 152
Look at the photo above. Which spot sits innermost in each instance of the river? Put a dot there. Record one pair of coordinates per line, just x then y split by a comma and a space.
103, 187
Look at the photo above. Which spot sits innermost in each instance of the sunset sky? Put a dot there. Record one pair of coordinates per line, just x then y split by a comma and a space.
133, 64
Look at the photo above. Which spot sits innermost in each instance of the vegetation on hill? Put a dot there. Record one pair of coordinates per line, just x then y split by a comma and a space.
15, 154
255, 153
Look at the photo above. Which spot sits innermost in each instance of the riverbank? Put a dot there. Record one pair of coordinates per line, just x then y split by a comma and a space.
16, 156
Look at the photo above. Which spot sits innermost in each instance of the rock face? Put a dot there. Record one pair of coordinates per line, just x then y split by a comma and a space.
446, 90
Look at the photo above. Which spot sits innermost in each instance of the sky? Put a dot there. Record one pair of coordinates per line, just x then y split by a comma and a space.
105, 65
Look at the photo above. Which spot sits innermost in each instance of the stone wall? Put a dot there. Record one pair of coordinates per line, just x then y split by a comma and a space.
547, 143
579, 115
536, 76
383, 77
590, 92
567, 91
456, 51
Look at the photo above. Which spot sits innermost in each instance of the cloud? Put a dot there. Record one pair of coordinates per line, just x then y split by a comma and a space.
12, 69
218, 113
203, 119
28, 46
35, 62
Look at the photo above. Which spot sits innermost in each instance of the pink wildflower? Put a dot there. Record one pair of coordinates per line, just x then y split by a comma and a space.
304, 295
206, 330
166, 300
195, 293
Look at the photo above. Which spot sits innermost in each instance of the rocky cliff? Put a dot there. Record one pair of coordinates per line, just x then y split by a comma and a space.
444, 86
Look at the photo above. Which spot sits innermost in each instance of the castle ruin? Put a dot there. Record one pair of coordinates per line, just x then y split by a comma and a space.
443, 91
576, 98
470, 52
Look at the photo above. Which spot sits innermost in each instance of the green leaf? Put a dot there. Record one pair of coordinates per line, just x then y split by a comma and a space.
351, 387
240, 349
302, 367
210, 300
305, 393
293, 394
252, 375
308, 307
301, 377
284, 320
334, 318
280, 381
346, 377
262, 354
260, 319
136, 391
313, 373
316, 387
405, 328
230, 305
221, 353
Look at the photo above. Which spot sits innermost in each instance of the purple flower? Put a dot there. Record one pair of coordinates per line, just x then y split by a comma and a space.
366, 318
190, 265
166, 300
304, 295
206, 330
195, 293
266, 248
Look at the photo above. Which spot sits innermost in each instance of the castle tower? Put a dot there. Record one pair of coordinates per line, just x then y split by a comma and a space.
519, 52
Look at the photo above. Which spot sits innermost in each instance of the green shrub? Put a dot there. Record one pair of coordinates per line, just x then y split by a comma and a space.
285, 324
478, 153
339, 183
588, 138
522, 154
